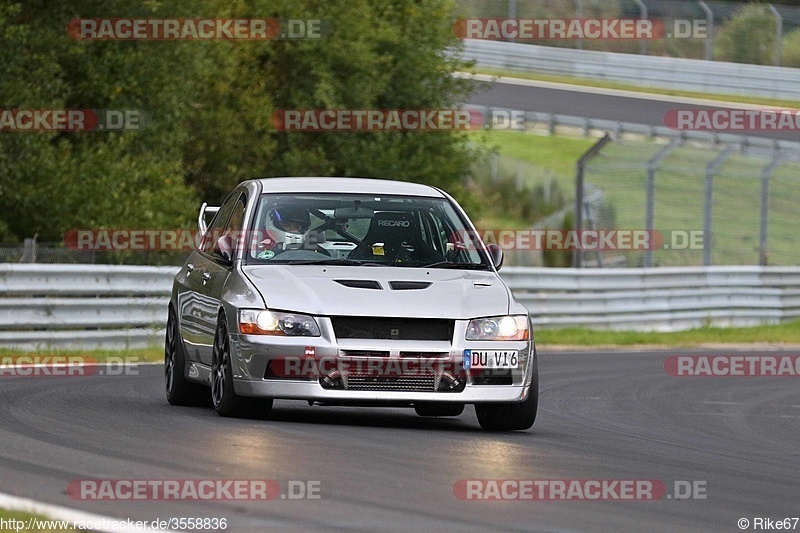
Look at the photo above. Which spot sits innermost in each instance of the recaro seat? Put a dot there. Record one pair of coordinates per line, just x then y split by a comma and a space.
394, 229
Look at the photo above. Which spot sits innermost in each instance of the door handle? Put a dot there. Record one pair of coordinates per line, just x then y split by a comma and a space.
206, 276
190, 268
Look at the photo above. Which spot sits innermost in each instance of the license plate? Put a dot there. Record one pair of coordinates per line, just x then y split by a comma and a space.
480, 359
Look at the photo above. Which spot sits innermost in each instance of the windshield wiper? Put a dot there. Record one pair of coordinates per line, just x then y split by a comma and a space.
449, 264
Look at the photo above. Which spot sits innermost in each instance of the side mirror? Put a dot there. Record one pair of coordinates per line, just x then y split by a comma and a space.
496, 253
224, 248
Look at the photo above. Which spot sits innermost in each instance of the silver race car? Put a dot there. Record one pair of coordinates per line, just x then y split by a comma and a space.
348, 291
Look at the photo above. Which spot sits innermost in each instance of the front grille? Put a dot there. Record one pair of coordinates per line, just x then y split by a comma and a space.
442, 382
406, 329
364, 353
426, 355
402, 384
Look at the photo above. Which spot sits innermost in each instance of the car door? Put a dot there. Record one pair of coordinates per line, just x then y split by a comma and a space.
190, 300
214, 272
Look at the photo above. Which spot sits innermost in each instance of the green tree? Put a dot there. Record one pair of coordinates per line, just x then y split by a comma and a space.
209, 105
748, 37
791, 49
381, 55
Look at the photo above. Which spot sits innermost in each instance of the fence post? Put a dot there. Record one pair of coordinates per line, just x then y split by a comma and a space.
766, 174
580, 179
29, 251
642, 16
708, 211
512, 9
778, 35
709, 29
652, 167
579, 14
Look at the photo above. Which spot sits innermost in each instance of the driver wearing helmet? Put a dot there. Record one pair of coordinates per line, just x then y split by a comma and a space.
294, 222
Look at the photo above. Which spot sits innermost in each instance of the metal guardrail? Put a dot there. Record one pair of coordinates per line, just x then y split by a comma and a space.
46, 306
645, 71
662, 299
746, 144
59, 306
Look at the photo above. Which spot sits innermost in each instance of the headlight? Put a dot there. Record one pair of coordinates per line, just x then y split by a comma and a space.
254, 322
498, 328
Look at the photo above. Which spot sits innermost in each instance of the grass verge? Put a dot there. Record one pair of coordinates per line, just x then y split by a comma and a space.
755, 100
786, 333
144, 355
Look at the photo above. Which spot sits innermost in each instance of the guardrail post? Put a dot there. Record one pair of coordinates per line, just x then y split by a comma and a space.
709, 29
29, 251
580, 182
778, 35
652, 167
766, 174
708, 211
642, 16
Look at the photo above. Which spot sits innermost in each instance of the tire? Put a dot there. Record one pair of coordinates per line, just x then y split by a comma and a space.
179, 390
438, 409
511, 416
224, 399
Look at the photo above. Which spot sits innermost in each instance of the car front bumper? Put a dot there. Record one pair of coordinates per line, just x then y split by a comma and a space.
251, 355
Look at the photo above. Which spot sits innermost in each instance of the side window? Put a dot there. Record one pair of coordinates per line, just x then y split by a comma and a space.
218, 224
235, 226
236, 223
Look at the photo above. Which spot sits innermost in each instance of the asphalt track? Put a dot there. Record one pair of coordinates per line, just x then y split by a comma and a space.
602, 416
591, 103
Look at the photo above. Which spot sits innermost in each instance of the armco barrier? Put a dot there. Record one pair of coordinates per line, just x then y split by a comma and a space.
646, 71
83, 306
657, 299
116, 307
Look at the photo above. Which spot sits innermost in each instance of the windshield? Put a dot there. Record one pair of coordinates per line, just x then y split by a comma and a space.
348, 229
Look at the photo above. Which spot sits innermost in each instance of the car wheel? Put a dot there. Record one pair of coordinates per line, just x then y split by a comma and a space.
224, 399
180, 391
511, 416
438, 409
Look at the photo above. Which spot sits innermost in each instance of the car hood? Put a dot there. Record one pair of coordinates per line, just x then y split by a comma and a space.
330, 290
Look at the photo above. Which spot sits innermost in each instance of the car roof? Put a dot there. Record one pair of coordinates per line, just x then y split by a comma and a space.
347, 185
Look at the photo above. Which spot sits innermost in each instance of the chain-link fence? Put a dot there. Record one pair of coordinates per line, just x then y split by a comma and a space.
705, 205
725, 31
57, 253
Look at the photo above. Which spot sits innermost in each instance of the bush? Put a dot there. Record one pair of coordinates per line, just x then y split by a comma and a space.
749, 37
791, 49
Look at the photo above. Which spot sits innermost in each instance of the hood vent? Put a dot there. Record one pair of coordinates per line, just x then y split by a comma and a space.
359, 283
409, 285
